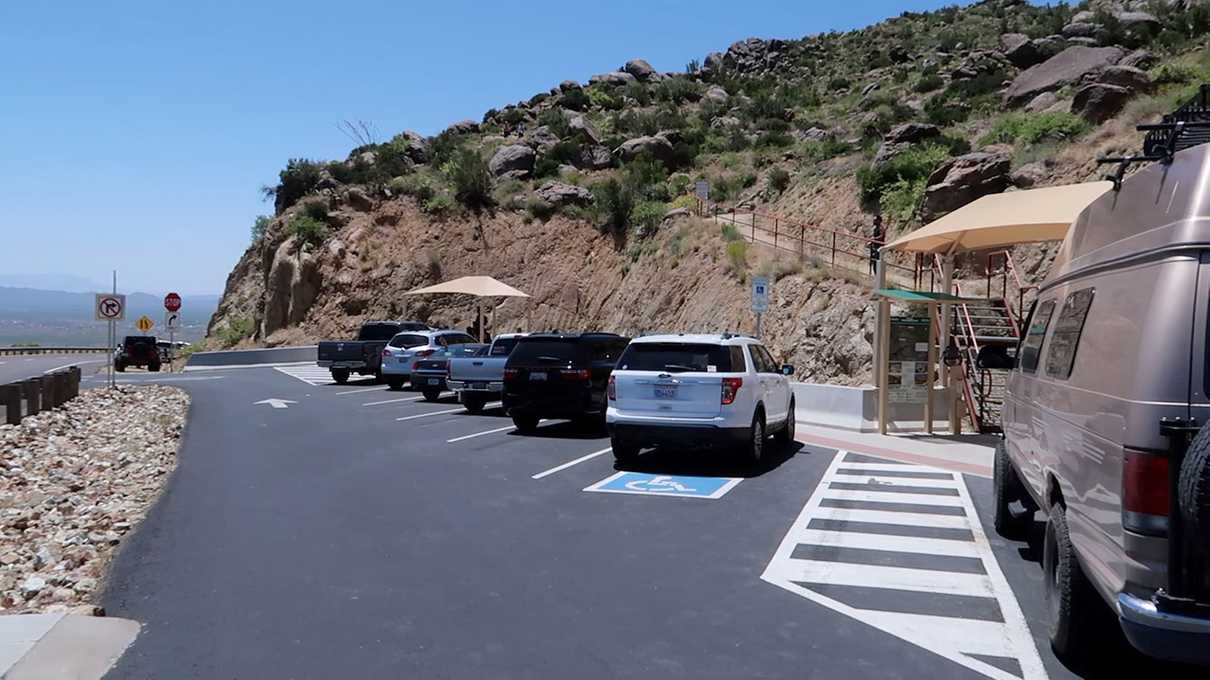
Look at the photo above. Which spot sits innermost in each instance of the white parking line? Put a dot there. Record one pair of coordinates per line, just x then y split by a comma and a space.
480, 434
433, 413
74, 363
364, 389
392, 401
570, 463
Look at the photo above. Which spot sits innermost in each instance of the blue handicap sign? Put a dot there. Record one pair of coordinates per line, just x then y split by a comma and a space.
648, 484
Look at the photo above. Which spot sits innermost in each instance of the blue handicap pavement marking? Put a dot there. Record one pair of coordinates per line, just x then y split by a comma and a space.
665, 485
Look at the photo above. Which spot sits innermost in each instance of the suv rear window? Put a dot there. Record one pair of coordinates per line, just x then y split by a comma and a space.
545, 351
136, 340
503, 346
408, 341
675, 357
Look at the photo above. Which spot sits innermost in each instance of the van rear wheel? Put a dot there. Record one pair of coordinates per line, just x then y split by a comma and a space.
431, 395
1071, 603
340, 375
473, 403
1009, 522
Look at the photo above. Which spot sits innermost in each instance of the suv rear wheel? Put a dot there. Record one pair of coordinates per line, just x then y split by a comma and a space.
785, 436
525, 423
394, 383
119, 366
154, 368
340, 375
754, 450
431, 394
623, 451
473, 402
1070, 599
1009, 522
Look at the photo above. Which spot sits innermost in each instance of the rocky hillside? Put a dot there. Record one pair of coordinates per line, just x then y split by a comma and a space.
579, 194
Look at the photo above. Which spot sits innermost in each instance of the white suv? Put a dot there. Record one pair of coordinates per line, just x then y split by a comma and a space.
704, 390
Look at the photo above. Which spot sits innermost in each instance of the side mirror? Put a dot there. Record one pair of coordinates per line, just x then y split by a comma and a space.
996, 358
787, 369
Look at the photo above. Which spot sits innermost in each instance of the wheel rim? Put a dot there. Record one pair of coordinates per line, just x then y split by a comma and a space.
758, 439
790, 424
1050, 562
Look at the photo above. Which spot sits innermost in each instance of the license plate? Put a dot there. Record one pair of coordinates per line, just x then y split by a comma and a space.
665, 391
478, 386
434, 381
537, 376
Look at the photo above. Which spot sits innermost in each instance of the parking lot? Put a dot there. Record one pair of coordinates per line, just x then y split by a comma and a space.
378, 535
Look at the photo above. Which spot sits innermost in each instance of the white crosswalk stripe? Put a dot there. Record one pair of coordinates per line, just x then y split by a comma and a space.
900, 547
310, 374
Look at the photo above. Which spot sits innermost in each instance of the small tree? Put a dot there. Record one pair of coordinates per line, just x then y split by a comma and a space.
260, 226
472, 179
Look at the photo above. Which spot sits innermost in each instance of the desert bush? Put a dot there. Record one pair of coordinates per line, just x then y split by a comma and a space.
638, 92
297, 180
928, 83
914, 164
687, 201
576, 100
900, 200
1031, 128
737, 256
471, 179
822, 150
679, 184
773, 139
779, 180
234, 330
260, 225
306, 229
839, 83
614, 201
419, 186
646, 216
730, 233
601, 97
539, 209
440, 204
556, 121
678, 89
1173, 72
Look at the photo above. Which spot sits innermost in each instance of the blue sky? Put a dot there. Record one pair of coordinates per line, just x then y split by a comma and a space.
135, 135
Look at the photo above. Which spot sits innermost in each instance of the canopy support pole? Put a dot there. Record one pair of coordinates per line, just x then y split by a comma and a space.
932, 367
882, 363
479, 305
879, 284
947, 284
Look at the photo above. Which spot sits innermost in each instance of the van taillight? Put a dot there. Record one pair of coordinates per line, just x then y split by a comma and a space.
730, 389
612, 390
510, 373
1145, 496
575, 374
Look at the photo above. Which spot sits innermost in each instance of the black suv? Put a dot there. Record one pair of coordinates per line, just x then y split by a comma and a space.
560, 375
138, 350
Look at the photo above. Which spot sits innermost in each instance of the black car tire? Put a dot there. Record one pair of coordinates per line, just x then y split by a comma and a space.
1193, 486
1070, 599
119, 367
525, 423
623, 451
394, 383
473, 402
754, 450
1008, 489
154, 368
431, 394
785, 436
340, 375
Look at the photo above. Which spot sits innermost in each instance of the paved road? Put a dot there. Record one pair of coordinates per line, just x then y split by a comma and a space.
18, 367
364, 533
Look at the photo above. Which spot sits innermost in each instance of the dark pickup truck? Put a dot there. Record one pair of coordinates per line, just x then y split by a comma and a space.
362, 356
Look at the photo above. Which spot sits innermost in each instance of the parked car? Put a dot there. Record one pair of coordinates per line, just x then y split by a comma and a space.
364, 355
430, 373
169, 350
137, 350
560, 375
701, 391
399, 356
1110, 380
480, 379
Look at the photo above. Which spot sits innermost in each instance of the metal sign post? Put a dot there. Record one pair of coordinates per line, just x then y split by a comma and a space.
110, 307
172, 321
760, 298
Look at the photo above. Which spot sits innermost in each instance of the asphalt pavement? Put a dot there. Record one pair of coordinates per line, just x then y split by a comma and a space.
16, 367
316, 531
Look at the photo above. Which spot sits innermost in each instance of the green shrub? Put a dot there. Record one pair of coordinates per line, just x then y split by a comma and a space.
439, 204
917, 163
471, 179
687, 201
779, 180
512, 116
260, 226
839, 83
235, 330
615, 201
638, 92
678, 89
1031, 128
418, 186
773, 139
737, 256
731, 233
646, 216
822, 150
600, 97
576, 100
900, 200
306, 229
539, 209
679, 184
1175, 73
297, 180
928, 83
556, 121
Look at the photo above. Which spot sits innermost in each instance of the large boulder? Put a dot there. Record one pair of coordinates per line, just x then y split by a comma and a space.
514, 158
713, 63
1042, 102
613, 78
716, 94
961, 180
910, 133
415, 145
1049, 46
1082, 29
1098, 102
655, 146
594, 157
1142, 59
1065, 68
1029, 175
639, 68
581, 127
541, 138
568, 86
463, 127
560, 193
1126, 76
1020, 50
981, 63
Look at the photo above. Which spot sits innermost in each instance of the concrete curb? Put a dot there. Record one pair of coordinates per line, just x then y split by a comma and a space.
36, 646
252, 357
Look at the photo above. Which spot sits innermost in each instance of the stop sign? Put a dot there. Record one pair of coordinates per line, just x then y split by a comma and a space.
172, 302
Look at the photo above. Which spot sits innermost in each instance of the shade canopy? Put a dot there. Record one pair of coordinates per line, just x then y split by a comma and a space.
479, 286
920, 296
1003, 220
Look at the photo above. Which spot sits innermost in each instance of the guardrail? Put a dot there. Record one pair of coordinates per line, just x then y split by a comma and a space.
52, 350
43, 393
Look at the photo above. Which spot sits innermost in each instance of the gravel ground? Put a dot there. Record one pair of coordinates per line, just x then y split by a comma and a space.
73, 482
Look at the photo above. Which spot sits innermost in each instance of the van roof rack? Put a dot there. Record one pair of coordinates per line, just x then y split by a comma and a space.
1185, 128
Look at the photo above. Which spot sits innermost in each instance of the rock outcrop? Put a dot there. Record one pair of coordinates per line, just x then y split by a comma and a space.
961, 180
1065, 68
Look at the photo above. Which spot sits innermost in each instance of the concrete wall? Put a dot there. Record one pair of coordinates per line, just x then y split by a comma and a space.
856, 408
252, 357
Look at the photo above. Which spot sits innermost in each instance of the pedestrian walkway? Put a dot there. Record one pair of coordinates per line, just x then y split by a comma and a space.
61, 646
308, 373
966, 453
913, 531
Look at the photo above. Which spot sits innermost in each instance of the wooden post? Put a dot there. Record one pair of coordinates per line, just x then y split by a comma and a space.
10, 398
49, 390
928, 402
33, 395
76, 374
884, 361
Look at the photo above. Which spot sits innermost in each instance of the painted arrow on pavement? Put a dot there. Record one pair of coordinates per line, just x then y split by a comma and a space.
275, 403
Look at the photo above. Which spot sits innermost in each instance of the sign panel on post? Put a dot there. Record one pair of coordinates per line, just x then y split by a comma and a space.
144, 323
701, 189
172, 302
110, 307
760, 294
172, 320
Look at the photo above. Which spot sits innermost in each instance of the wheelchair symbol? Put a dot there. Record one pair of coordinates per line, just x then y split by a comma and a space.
659, 484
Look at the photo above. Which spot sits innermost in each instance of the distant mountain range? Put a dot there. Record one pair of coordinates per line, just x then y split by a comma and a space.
55, 317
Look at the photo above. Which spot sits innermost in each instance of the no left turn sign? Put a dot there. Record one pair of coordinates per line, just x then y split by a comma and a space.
110, 307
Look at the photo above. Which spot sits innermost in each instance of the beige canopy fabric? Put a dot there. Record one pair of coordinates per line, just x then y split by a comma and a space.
480, 286
1003, 220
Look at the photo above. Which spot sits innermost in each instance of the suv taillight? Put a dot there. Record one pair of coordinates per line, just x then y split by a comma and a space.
385, 352
421, 353
575, 373
612, 390
510, 373
730, 389
1145, 496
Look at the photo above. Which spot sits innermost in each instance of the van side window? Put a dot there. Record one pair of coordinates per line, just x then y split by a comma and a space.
1066, 338
737, 359
1031, 348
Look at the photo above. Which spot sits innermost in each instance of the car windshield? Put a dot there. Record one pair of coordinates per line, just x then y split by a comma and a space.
675, 357
545, 351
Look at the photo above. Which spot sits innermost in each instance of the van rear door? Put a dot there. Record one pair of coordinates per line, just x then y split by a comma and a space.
671, 379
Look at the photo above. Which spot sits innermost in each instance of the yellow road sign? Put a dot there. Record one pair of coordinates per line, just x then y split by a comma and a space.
144, 323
